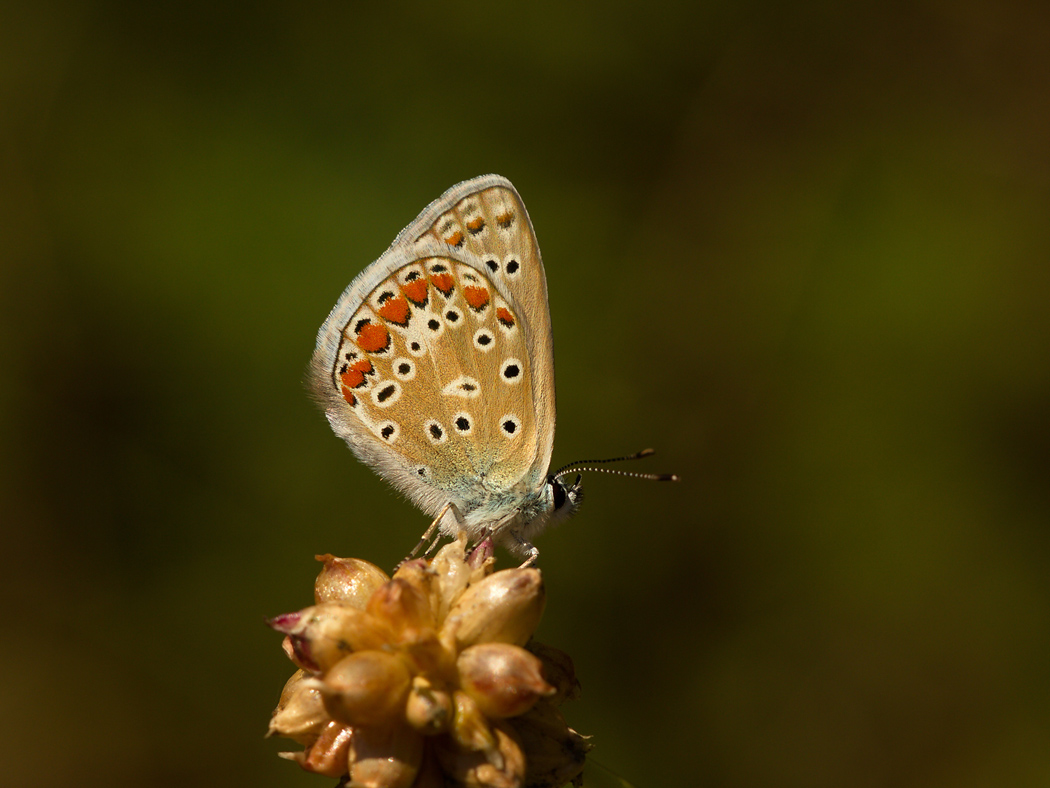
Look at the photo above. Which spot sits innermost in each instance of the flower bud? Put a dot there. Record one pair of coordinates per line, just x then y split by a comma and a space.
470, 729
418, 575
402, 607
300, 714
502, 767
504, 607
452, 572
329, 755
504, 680
348, 580
429, 710
385, 757
323, 634
366, 688
482, 552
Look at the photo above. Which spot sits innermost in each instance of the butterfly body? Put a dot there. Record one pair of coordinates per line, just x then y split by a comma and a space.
436, 366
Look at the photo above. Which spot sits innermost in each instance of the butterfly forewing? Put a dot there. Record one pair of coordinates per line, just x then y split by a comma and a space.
491, 229
435, 365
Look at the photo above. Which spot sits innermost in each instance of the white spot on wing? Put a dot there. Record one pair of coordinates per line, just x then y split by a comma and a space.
463, 386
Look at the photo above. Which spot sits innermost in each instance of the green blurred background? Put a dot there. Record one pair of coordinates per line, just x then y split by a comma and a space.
803, 250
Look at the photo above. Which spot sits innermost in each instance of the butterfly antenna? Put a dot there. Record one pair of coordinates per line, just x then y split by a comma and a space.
579, 465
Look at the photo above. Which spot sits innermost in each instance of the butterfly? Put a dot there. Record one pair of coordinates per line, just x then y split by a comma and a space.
436, 366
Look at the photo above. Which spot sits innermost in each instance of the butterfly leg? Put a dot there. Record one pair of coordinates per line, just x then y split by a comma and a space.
532, 553
518, 543
429, 533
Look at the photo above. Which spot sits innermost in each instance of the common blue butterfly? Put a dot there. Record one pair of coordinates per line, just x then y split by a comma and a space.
436, 366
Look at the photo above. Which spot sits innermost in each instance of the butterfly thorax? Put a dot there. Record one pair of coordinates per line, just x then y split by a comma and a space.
520, 516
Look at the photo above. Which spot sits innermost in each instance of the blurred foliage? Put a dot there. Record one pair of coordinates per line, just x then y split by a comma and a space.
802, 250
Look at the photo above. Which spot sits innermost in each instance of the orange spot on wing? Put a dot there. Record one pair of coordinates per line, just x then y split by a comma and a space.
372, 338
348, 395
416, 290
456, 239
476, 225
504, 316
395, 310
504, 219
355, 375
443, 282
477, 297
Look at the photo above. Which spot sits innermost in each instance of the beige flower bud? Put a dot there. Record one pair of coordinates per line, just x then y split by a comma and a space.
366, 688
504, 680
453, 573
418, 575
403, 607
504, 607
300, 714
470, 729
502, 767
322, 635
348, 580
385, 757
329, 755
429, 710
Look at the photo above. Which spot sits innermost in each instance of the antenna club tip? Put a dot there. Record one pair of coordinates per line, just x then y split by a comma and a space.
672, 477
645, 452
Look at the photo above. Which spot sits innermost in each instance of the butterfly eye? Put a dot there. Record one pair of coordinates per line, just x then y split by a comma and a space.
559, 492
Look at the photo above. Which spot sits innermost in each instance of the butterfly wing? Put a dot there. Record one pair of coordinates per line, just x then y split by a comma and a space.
436, 364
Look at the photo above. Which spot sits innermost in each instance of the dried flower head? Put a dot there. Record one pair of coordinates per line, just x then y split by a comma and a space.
428, 678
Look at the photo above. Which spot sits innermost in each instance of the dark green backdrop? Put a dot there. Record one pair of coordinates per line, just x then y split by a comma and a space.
803, 250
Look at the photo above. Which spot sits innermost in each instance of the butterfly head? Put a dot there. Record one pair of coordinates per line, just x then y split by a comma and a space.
565, 498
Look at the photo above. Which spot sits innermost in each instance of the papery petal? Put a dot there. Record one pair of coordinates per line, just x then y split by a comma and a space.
556, 753
402, 607
558, 671
323, 634
504, 680
329, 755
366, 688
420, 576
501, 767
429, 710
385, 757
348, 580
452, 572
431, 775
470, 729
504, 607
300, 714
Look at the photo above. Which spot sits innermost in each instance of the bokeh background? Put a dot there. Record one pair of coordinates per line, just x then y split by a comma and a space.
803, 250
